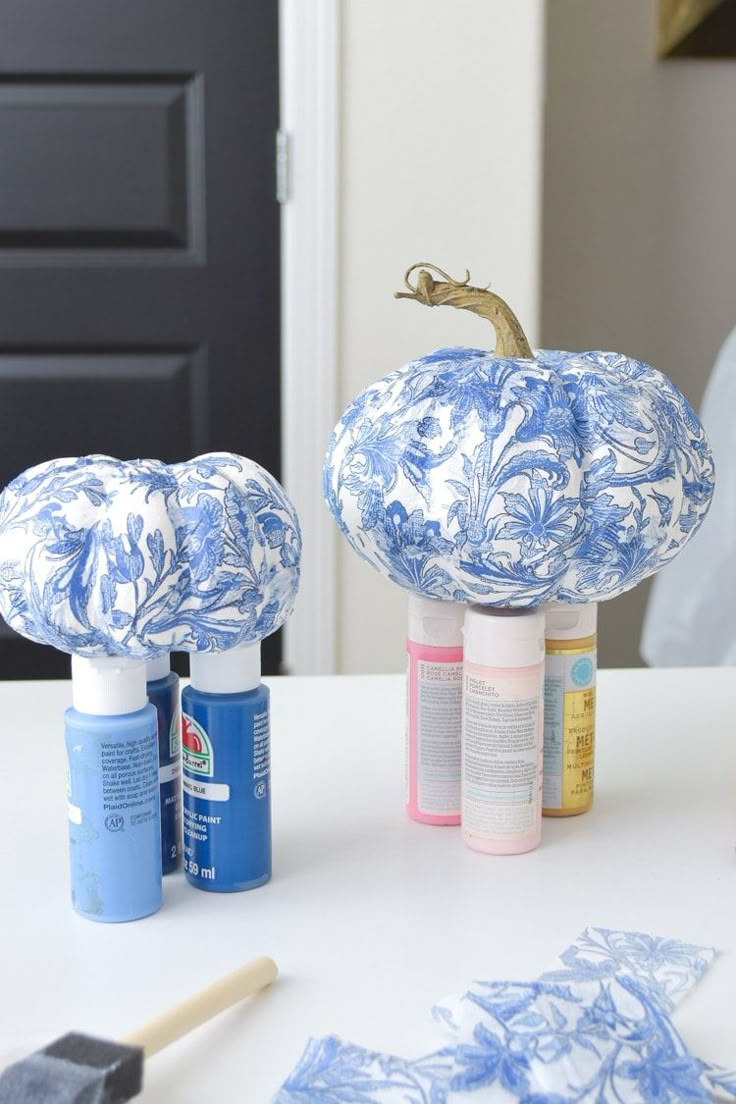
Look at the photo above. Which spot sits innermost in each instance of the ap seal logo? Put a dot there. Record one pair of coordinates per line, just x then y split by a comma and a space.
581, 671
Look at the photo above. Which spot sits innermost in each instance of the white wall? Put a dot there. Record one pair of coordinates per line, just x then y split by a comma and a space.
441, 119
639, 242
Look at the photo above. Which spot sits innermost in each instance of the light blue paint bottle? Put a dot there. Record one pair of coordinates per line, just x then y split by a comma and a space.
226, 771
163, 693
113, 790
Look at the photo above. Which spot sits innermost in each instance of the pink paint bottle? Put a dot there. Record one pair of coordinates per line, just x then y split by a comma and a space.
434, 701
502, 728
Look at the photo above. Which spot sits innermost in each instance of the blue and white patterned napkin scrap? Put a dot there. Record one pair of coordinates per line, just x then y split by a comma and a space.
594, 1029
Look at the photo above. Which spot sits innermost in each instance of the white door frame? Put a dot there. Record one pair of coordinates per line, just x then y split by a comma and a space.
308, 143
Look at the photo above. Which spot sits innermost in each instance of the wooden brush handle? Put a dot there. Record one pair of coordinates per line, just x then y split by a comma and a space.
202, 1006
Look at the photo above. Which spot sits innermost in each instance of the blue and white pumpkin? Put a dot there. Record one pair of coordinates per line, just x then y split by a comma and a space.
100, 556
512, 479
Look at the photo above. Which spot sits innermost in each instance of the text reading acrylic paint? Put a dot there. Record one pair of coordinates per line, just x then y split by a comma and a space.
439, 704
569, 731
501, 755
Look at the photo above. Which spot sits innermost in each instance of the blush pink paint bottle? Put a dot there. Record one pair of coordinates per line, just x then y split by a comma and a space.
434, 706
502, 730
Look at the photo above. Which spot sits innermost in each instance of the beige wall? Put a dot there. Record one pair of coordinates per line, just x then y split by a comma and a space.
639, 221
440, 161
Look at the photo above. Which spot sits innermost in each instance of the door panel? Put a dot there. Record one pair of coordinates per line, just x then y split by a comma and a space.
139, 242
105, 390
88, 138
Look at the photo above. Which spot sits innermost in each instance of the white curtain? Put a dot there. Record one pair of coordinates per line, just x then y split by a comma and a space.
691, 615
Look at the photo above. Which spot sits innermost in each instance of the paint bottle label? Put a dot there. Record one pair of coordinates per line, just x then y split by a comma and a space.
569, 726
433, 731
407, 738
114, 816
164, 696
226, 784
502, 747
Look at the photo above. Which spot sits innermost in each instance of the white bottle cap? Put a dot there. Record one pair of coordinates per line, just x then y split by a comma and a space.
566, 622
504, 637
230, 672
434, 622
158, 668
108, 686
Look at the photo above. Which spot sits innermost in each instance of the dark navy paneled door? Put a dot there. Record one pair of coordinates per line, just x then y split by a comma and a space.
139, 242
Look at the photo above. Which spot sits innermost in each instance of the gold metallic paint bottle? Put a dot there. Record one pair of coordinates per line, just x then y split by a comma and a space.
569, 708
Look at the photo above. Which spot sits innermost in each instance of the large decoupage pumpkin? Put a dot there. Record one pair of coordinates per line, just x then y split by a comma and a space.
516, 478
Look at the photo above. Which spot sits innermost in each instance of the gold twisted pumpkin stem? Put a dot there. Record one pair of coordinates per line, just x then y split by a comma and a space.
510, 338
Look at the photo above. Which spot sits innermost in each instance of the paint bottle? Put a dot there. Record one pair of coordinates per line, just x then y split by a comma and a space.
113, 791
503, 676
226, 771
569, 708
163, 693
434, 710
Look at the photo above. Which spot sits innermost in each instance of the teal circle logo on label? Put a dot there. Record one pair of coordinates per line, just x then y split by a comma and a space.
581, 671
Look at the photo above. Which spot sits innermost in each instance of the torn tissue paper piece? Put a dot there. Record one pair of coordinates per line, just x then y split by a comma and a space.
333, 1072
595, 1028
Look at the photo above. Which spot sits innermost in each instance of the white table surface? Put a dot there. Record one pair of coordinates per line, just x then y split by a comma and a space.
370, 916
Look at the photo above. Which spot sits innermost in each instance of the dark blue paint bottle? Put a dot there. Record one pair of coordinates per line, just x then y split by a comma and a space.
227, 772
163, 693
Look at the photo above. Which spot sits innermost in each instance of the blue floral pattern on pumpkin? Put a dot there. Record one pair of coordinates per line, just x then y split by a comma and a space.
100, 556
515, 482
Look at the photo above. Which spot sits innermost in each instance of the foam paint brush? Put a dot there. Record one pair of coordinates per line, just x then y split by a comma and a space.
82, 1069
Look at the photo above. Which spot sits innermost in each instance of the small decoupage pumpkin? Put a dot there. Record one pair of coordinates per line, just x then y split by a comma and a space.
514, 478
100, 556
